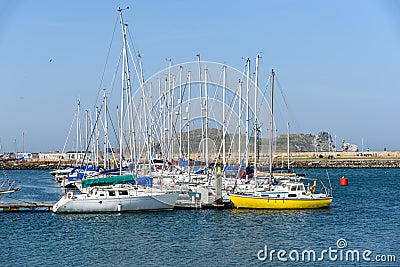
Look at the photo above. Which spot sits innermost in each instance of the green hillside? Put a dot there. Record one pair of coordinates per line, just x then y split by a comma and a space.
298, 142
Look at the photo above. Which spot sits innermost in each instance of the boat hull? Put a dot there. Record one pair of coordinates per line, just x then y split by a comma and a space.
253, 202
8, 191
136, 203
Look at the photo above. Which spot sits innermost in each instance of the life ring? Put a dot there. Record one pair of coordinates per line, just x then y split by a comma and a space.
69, 195
312, 189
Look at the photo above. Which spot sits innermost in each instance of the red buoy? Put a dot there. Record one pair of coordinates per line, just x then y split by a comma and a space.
344, 181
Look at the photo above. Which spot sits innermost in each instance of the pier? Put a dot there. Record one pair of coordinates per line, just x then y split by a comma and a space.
26, 206
47, 206
196, 205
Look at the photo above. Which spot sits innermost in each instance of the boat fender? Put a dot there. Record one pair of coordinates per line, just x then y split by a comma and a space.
344, 181
69, 195
312, 189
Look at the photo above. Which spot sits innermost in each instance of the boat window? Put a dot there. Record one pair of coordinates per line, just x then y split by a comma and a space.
293, 188
101, 194
111, 193
123, 193
299, 188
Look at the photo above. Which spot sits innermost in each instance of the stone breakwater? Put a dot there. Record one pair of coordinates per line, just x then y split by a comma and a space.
31, 165
378, 163
295, 163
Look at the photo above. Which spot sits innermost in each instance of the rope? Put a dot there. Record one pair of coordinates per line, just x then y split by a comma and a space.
4, 170
108, 55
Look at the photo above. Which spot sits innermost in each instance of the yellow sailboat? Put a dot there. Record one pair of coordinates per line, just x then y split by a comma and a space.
278, 191
286, 194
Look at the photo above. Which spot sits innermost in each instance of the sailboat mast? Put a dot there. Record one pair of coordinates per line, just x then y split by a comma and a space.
288, 146
97, 137
105, 133
271, 126
188, 121
162, 117
169, 113
93, 134
224, 121
86, 129
121, 121
240, 122
165, 122
206, 118
201, 108
124, 88
171, 88
180, 113
77, 130
172, 119
247, 115
255, 116
146, 122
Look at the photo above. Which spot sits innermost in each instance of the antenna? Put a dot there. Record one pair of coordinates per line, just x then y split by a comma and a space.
121, 9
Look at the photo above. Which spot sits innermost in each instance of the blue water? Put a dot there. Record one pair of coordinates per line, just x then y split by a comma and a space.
366, 214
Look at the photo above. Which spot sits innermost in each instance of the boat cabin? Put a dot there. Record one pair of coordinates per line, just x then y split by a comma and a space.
295, 189
109, 193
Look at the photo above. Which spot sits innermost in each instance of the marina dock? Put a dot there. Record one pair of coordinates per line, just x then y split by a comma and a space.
47, 206
26, 206
190, 205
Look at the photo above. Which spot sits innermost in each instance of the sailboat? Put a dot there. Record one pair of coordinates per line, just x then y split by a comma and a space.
8, 187
118, 193
276, 191
284, 194
111, 194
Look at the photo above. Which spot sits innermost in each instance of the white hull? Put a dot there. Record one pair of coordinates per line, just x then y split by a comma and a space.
61, 171
8, 191
135, 201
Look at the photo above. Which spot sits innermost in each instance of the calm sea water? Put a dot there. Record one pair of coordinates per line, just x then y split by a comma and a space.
365, 215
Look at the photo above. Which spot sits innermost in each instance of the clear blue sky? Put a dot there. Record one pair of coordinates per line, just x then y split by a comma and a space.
337, 61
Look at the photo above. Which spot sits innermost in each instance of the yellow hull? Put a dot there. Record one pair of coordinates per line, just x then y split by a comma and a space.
252, 202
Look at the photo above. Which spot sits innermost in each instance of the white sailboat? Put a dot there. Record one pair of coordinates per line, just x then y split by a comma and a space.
116, 198
7, 189
7, 186
112, 194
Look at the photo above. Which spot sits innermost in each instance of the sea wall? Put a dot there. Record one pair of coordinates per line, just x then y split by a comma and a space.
33, 165
377, 159
297, 160
383, 163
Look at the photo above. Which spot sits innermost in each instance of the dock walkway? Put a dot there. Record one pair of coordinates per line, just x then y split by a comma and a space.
48, 206
26, 206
